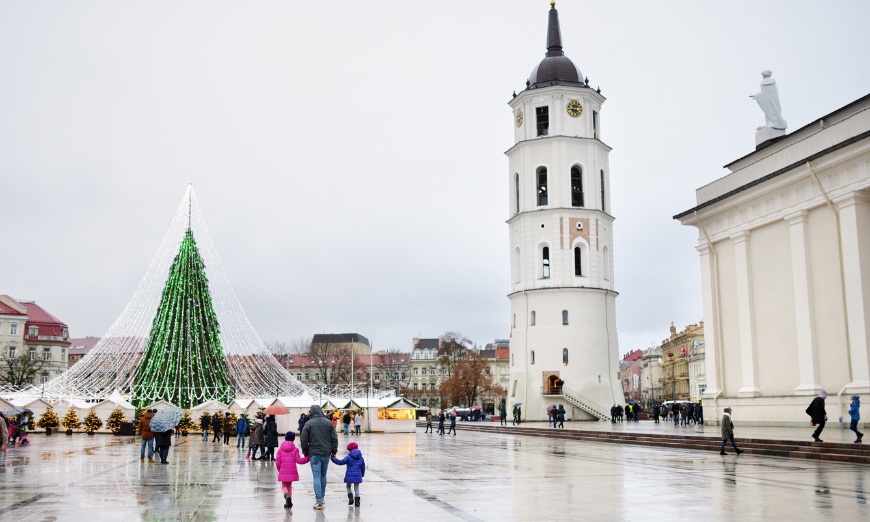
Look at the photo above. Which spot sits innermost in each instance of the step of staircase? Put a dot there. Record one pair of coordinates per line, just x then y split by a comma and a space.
826, 451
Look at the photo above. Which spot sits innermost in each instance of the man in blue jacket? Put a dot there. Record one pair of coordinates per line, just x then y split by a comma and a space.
241, 432
320, 443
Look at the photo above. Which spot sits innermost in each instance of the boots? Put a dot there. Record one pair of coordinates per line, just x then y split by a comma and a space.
288, 501
356, 501
350, 499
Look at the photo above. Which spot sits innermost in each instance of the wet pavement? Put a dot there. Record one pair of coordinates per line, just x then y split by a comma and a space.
471, 476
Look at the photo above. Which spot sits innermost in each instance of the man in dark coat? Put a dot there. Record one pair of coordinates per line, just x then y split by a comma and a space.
271, 435
320, 443
204, 423
216, 427
816, 411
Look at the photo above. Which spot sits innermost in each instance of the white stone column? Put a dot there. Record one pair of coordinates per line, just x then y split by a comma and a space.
711, 321
807, 356
855, 234
745, 320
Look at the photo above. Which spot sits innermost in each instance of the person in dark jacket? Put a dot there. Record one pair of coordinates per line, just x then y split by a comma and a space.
441, 423
816, 411
560, 416
502, 413
147, 436
728, 433
241, 432
302, 420
204, 423
164, 441
356, 470
216, 427
258, 440
452, 424
271, 433
855, 416
320, 442
227, 428
656, 412
345, 422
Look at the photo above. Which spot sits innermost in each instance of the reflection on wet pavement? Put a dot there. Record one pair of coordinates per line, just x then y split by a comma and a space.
471, 477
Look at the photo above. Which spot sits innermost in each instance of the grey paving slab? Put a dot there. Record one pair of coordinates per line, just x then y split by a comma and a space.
416, 476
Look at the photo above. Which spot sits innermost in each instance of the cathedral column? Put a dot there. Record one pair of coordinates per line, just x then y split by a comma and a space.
807, 356
745, 320
711, 320
855, 232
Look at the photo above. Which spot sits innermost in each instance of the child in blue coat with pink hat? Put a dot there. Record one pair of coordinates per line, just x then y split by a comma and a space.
356, 470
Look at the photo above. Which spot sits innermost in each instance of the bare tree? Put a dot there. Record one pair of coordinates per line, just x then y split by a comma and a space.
21, 370
296, 346
395, 367
333, 361
471, 379
453, 348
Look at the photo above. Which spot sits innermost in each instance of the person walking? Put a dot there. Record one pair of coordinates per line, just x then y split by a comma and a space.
502, 414
855, 415
270, 430
164, 441
258, 440
146, 435
357, 423
204, 423
216, 426
4, 433
428, 422
227, 428
356, 470
816, 411
560, 416
286, 461
302, 420
320, 443
441, 423
345, 423
699, 410
728, 433
241, 432
656, 412
452, 424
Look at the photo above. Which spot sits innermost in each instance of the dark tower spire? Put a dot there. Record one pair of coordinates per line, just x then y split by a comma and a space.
554, 34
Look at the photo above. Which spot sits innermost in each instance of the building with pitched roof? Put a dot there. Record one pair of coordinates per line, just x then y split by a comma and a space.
27, 328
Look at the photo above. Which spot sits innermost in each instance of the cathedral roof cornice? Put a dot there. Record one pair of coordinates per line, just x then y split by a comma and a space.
558, 138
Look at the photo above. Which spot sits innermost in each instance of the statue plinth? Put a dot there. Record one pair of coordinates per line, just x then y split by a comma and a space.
765, 134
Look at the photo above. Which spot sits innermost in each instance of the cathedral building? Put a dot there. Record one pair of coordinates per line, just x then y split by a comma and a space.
564, 348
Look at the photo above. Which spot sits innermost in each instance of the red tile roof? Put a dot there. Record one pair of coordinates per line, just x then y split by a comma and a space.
8, 310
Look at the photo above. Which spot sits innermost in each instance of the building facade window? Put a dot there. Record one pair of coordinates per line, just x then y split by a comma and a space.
33, 331
514, 388
542, 115
13, 328
415, 371
595, 124
545, 263
12, 350
578, 261
532, 357
46, 354
31, 354
564, 317
414, 386
576, 186
543, 196
565, 356
517, 192
532, 319
44, 377
307, 376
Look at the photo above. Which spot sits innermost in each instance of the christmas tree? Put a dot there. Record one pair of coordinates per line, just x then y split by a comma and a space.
185, 425
71, 419
183, 361
114, 421
48, 420
92, 422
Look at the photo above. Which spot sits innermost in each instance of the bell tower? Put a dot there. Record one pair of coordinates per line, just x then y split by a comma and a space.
563, 301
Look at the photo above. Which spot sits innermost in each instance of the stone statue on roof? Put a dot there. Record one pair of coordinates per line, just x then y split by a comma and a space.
768, 99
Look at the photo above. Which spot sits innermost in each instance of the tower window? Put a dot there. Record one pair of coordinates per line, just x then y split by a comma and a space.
543, 120
576, 187
545, 263
595, 124
564, 317
533, 357
532, 319
517, 190
565, 356
542, 186
578, 261
602, 192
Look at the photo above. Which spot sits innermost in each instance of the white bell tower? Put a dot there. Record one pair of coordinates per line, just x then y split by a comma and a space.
563, 302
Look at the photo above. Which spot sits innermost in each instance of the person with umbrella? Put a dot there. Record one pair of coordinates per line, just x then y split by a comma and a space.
162, 424
271, 435
146, 435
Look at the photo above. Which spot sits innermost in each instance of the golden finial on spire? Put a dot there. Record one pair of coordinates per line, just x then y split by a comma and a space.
552, 3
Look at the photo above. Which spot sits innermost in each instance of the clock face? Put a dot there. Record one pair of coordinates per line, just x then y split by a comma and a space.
518, 118
574, 108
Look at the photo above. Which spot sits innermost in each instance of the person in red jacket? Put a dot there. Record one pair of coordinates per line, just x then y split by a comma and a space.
286, 460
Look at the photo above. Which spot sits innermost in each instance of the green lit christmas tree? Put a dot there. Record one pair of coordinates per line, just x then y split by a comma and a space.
183, 361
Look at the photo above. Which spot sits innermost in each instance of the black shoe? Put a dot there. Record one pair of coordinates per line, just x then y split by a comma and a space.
350, 499
164, 462
356, 501
739, 451
817, 439
722, 453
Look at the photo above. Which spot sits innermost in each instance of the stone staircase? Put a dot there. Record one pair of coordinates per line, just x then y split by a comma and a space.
827, 451
585, 404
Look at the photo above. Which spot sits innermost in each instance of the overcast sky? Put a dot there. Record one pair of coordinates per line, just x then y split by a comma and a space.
349, 156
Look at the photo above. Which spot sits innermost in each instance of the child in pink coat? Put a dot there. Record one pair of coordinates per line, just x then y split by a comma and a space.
286, 459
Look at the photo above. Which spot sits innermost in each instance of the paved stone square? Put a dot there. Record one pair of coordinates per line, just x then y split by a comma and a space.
470, 476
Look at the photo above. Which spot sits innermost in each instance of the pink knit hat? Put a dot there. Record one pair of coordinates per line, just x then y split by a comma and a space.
352, 446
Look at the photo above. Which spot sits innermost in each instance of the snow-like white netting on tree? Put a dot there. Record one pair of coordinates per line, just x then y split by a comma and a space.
113, 363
